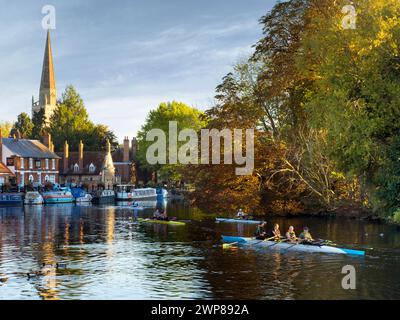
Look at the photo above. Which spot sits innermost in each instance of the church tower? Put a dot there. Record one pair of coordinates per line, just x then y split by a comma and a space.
47, 93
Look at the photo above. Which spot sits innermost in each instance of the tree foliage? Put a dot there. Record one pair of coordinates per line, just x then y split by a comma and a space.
186, 118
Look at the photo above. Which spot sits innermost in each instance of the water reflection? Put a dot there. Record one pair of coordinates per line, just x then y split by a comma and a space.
110, 256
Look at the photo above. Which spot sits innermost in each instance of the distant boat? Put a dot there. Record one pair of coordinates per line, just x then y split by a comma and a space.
81, 195
103, 196
11, 199
63, 195
129, 193
33, 198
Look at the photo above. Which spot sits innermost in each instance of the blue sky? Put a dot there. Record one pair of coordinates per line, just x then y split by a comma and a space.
126, 56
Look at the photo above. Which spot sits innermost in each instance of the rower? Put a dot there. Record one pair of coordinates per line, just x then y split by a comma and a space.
305, 236
261, 231
291, 235
276, 233
156, 214
163, 216
241, 214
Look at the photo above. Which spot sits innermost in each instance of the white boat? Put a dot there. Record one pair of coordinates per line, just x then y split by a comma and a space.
84, 199
129, 193
285, 246
228, 220
33, 198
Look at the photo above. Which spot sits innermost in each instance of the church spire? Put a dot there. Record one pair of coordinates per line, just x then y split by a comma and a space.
48, 93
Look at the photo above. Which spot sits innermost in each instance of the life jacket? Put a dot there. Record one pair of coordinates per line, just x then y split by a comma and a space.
292, 235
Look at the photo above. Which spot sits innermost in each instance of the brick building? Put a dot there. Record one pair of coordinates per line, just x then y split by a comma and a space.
29, 161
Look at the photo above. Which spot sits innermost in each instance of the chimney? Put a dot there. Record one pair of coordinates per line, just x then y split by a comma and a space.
1, 146
126, 150
134, 148
81, 155
66, 156
47, 140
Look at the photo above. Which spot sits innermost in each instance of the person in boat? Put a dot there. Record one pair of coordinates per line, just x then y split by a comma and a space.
306, 236
276, 233
156, 214
163, 216
291, 235
261, 232
241, 214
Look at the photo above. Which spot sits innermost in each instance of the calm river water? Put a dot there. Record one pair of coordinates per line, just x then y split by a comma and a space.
110, 256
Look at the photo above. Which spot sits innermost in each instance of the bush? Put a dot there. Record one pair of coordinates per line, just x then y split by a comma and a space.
396, 216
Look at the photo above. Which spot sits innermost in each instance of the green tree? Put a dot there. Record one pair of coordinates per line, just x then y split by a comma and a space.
38, 121
186, 118
71, 122
23, 126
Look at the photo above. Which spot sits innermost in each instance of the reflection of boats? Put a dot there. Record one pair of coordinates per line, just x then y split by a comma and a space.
290, 246
103, 196
63, 195
11, 199
248, 221
81, 195
174, 223
129, 193
32, 198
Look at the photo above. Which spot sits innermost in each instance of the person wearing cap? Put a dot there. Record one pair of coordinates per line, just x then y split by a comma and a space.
305, 236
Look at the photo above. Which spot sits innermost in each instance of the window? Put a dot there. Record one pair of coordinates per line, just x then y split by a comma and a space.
46, 178
30, 163
53, 164
76, 167
53, 179
31, 178
38, 164
92, 168
46, 163
22, 163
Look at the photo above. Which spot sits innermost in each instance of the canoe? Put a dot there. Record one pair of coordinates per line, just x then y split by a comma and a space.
237, 221
290, 246
174, 223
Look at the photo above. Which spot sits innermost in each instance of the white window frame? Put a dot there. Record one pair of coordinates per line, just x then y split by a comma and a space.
92, 168
31, 178
46, 178
30, 163
76, 167
22, 165
53, 164
46, 161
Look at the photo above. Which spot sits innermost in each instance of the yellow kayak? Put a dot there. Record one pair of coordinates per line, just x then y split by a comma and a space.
175, 223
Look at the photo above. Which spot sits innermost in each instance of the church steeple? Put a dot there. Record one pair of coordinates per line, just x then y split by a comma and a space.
47, 93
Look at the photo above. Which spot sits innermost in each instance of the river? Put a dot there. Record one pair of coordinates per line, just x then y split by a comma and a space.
107, 255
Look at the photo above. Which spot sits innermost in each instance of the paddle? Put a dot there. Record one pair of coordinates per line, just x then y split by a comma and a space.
280, 241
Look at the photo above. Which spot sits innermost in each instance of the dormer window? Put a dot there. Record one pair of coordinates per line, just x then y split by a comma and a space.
92, 168
76, 167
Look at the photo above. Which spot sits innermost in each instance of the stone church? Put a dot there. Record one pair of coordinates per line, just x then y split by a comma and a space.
89, 168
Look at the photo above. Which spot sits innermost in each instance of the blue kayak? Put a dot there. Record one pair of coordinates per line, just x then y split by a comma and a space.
284, 246
248, 221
